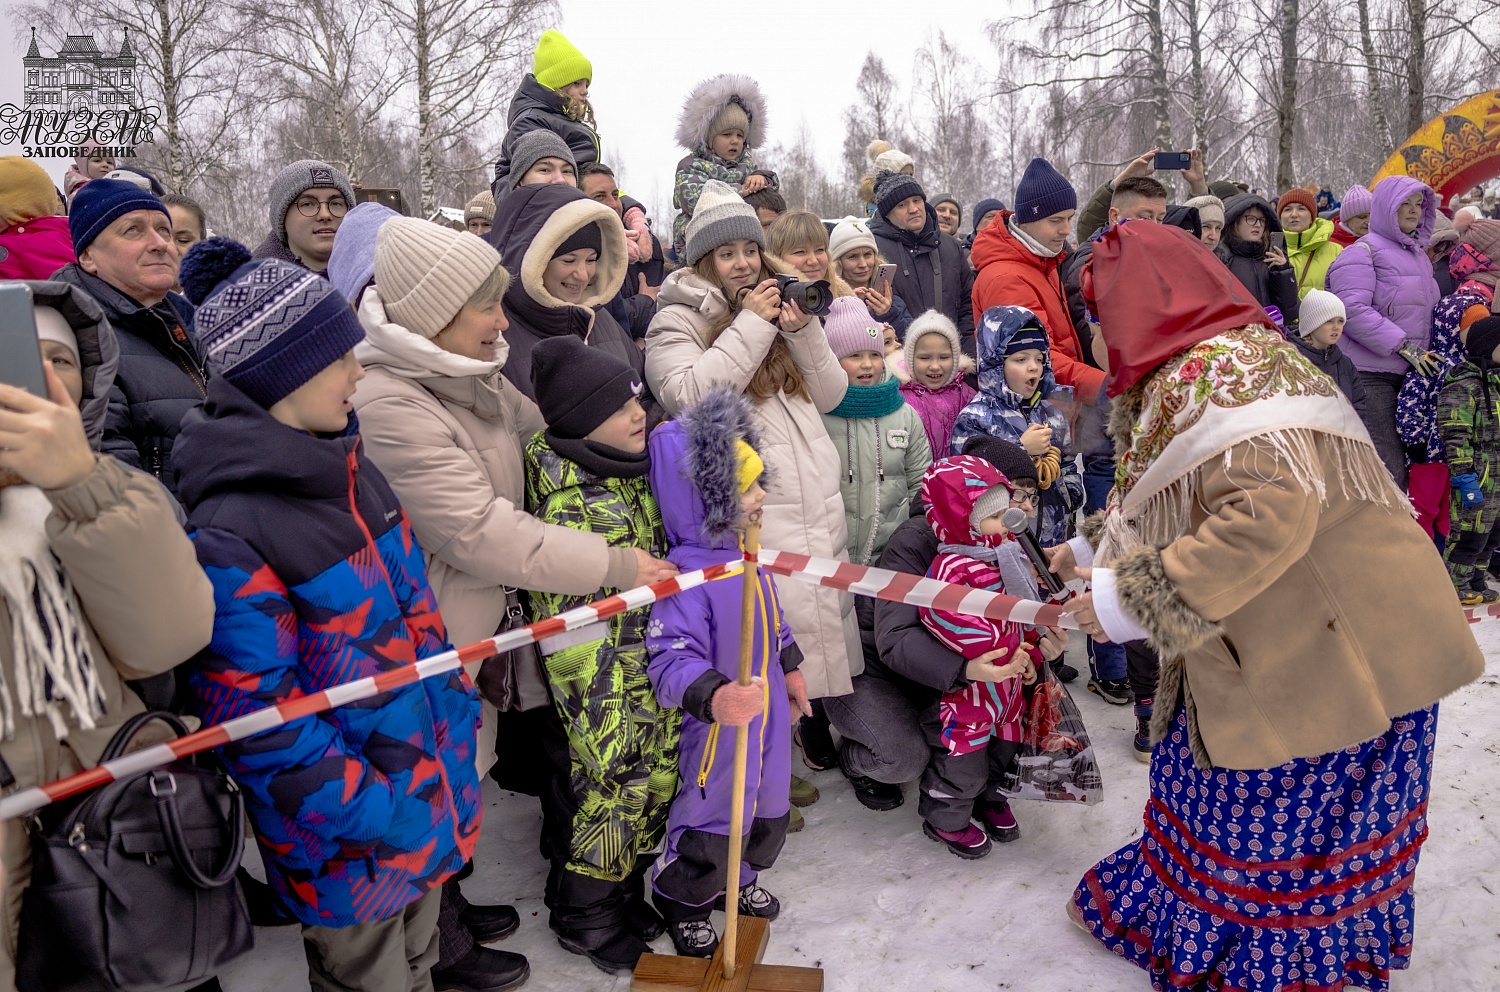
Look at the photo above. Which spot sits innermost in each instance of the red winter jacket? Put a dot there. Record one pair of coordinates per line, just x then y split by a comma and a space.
1010, 274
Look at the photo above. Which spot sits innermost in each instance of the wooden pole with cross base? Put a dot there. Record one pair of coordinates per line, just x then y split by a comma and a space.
735, 966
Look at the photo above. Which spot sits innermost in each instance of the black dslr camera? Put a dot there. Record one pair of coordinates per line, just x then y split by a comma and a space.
813, 297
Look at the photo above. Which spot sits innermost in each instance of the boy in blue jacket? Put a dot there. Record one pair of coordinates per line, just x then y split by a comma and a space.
363, 811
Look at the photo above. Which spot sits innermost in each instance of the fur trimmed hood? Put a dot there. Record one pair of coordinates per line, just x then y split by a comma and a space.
694, 471
713, 95
99, 351
533, 221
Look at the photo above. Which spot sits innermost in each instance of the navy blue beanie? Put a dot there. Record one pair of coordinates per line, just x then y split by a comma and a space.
893, 187
1042, 192
99, 201
983, 207
267, 326
1027, 336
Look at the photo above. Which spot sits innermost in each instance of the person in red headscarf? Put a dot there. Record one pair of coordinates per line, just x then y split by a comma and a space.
1254, 539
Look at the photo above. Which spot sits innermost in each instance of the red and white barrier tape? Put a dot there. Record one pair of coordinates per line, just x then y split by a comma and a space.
913, 590
1476, 614
894, 586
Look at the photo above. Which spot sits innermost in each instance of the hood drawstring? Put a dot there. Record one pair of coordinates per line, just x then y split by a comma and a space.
869, 549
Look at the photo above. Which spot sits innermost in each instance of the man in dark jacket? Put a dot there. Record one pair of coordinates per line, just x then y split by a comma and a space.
931, 270
128, 264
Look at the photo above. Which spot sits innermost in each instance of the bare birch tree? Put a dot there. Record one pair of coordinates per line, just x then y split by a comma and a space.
461, 60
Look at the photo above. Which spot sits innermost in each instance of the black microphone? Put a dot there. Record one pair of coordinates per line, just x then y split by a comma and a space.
1014, 520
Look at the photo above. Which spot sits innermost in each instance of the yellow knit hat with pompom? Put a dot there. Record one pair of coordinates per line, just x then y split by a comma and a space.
558, 62
750, 465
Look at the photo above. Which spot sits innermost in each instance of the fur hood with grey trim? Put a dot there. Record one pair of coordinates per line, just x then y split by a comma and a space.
99, 351
695, 470
713, 95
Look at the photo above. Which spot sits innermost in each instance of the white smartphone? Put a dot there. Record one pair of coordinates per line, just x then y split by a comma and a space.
884, 277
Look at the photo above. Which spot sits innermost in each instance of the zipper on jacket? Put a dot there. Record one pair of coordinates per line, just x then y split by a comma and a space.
353, 462
175, 336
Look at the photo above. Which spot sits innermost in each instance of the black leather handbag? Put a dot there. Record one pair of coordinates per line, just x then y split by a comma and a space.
133, 884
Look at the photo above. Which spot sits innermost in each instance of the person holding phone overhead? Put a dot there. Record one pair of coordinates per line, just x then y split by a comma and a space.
856, 260
1094, 216
78, 533
1254, 249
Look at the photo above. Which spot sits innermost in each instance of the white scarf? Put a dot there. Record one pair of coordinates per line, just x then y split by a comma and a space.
53, 661
408, 354
1032, 244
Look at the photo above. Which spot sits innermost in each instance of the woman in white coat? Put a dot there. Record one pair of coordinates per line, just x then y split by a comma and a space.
720, 322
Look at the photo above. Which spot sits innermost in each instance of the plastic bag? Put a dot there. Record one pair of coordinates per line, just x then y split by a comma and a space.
1056, 763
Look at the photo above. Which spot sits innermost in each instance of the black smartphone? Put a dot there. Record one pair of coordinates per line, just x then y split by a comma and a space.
1167, 161
1278, 241
385, 196
20, 351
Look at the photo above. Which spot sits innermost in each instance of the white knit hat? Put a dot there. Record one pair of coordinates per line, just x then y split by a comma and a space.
931, 322
720, 217
1318, 308
893, 160
427, 272
849, 234
1209, 207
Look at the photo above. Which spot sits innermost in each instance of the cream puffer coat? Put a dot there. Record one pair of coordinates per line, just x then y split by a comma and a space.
804, 511
147, 607
448, 433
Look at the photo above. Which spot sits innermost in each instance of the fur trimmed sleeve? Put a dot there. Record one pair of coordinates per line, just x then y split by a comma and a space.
1149, 598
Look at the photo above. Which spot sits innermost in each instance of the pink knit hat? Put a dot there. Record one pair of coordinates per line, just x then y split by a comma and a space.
1357, 200
850, 328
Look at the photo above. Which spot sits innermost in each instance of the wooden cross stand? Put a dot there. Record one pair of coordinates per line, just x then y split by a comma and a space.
735, 966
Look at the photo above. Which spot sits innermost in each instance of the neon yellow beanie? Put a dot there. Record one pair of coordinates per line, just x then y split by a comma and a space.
750, 465
557, 62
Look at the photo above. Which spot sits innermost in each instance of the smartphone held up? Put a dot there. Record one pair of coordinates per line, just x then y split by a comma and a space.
1169, 161
20, 350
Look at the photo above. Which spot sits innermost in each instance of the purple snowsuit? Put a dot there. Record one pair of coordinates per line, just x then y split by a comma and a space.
1386, 282
693, 639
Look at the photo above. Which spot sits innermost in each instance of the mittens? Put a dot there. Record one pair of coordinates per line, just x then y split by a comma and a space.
1468, 490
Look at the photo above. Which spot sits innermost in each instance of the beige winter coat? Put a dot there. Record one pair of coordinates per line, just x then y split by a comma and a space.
147, 606
448, 432
804, 511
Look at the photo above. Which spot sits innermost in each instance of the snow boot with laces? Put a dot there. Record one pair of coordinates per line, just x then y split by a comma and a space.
754, 901
693, 938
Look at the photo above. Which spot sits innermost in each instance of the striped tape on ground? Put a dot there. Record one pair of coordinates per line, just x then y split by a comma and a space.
894, 586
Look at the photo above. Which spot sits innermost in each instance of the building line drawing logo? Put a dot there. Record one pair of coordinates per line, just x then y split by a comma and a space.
79, 101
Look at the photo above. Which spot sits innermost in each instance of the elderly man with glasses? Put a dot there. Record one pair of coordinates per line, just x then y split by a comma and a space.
308, 202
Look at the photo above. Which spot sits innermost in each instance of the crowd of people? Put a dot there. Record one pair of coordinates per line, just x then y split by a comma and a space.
262, 473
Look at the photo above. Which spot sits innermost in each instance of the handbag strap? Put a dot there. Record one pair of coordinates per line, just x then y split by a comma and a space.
164, 788
123, 737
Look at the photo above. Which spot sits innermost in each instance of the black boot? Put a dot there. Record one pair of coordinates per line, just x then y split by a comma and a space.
871, 794
488, 924
816, 740
641, 918
613, 949
482, 970
262, 902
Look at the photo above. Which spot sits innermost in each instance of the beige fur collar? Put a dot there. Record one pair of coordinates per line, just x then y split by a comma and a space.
558, 228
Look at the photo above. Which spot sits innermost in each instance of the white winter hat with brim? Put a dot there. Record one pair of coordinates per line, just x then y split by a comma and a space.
427, 272
1317, 309
849, 234
1210, 209
931, 322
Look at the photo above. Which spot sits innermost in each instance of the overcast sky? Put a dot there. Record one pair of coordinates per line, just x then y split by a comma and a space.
648, 53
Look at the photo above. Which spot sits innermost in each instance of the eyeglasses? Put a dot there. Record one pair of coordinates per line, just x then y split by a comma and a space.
311, 206
1019, 496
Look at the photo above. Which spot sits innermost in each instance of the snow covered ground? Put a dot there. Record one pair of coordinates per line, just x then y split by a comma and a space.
877, 905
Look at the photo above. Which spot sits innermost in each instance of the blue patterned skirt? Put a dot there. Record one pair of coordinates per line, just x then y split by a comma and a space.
1289, 879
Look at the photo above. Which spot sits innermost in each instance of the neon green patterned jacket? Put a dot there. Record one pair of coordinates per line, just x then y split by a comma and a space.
623, 746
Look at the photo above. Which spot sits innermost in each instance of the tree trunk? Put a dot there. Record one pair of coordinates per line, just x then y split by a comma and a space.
1196, 80
426, 152
1416, 66
173, 173
1372, 78
1286, 107
1156, 57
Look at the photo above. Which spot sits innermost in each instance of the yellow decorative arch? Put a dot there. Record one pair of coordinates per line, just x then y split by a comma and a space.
1453, 152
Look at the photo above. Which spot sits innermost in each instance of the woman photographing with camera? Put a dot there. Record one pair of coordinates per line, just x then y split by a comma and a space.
722, 322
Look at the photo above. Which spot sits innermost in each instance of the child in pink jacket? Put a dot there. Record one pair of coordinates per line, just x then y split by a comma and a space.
935, 389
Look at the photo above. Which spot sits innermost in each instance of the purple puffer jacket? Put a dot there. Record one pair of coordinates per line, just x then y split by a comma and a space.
1386, 283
